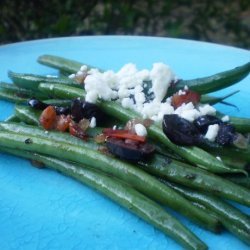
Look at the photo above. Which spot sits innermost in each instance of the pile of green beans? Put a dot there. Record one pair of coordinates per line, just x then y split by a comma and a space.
190, 180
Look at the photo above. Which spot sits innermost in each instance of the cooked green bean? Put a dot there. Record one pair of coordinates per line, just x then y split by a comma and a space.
31, 81
202, 85
220, 207
142, 181
214, 82
236, 162
27, 114
192, 154
124, 195
11, 96
214, 99
60, 63
239, 180
240, 233
199, 179
58, 102
20, 92
12, 118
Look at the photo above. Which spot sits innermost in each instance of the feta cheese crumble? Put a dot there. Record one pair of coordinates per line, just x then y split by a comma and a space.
92, 122
225, 118
140, 90
140, 129
212, 132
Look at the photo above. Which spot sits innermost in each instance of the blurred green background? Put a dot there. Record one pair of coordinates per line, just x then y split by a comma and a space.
221, 21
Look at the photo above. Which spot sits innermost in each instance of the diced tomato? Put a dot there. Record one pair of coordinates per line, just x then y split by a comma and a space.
188, 96
76, 131
123, 134
48, 118
62, 122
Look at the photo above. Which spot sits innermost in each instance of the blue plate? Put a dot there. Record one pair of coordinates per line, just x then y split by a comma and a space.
41, 209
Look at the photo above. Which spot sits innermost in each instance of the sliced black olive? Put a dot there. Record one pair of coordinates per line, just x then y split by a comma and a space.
202, 122
76, 110
180, 131
34, 103
62, 110
129, 151
81, 109
226, 134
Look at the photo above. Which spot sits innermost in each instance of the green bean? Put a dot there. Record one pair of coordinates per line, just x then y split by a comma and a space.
243, 154
54, 135
220, 207
27, 114
214, 99
11, 96
240, 233
12, 118
142, 181
192, 154
31, 81
236, 162
199, 179
239, 180
60, 63
14, 90
124, 195
58, 102
201, 85
214, 82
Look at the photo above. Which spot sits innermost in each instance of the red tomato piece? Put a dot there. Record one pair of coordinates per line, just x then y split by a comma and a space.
62, 122
186, 97
76, 131
123, 134
48, 118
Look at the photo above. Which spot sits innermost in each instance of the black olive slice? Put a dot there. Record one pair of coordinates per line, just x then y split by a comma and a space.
129, 151
36, 104
180, 131
204, 121
81, 109
226, 134
62, 110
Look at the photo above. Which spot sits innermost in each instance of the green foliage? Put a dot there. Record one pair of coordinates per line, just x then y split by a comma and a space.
220, 21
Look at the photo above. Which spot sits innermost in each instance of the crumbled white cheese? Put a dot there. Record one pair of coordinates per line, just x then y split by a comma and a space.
212, 132
187, 111
129, 87
79, 73
207, 109
225, 118
161, 76
190, 115
84, 68
92, 122
127, 103
140, 129
72, 76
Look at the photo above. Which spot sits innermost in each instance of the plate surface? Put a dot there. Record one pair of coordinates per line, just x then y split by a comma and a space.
41, 209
